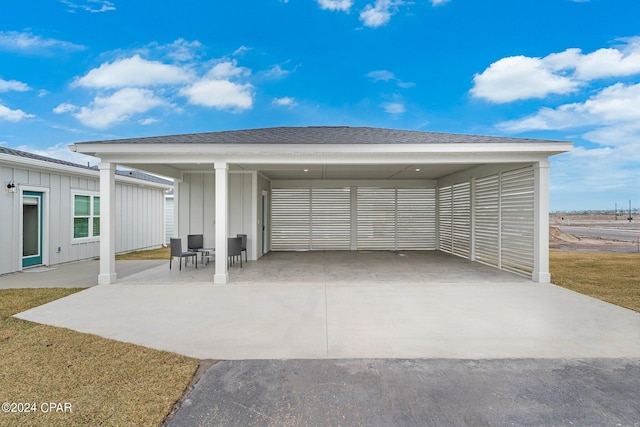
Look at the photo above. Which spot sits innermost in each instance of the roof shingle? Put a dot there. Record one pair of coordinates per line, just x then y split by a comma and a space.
319, 135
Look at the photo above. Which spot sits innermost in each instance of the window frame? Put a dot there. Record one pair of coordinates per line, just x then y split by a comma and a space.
93, 196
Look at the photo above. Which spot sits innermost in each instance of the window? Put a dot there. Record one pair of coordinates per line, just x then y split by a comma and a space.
86, 216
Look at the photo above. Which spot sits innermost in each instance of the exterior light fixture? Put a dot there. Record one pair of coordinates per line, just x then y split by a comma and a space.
11, 187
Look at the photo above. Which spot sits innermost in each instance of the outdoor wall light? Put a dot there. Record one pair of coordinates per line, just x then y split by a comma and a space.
11, 187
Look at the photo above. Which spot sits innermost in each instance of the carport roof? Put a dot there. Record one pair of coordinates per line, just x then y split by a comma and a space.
321, 135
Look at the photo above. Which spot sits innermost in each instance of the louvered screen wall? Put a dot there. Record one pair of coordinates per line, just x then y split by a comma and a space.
461, 205
290, 219
320, 218
454, 215
487, 220
416, 227
445, 219
517, 219
376, 218
330, 218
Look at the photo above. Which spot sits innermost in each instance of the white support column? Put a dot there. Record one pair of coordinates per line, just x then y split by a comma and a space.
541, 223
221, 276
107, 223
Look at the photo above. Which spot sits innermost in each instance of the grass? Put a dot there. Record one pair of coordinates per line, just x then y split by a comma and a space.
611, 277
160, 253
106, 382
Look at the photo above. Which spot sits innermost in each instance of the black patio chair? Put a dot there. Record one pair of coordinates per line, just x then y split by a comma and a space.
176, 251
195, 242
234, 249
244, 245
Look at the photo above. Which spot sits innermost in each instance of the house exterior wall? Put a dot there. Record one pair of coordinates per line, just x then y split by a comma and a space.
140, 213
195, 207
168, 218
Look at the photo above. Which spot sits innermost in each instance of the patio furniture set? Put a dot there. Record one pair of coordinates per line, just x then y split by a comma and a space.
195, 246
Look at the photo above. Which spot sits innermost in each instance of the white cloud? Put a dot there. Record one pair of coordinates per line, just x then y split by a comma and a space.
227, 70
521, 77
380, 13
381, 75
611, 62
220, 94
10, 115
148, 121
241, 51
92, 6
118, 107
13, 85
217, 90
182, 50
340, 5
439, 2
388, 76
29, 43
285, 101
276, 72
394, 108
65, 108
133, 72
615, 105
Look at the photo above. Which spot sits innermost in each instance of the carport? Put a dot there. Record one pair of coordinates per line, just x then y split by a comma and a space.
481, 198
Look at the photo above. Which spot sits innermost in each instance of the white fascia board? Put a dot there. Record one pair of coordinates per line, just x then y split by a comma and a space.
186, 149
141, 160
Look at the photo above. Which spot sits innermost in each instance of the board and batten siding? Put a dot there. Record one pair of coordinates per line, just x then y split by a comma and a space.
194, 209
139, 213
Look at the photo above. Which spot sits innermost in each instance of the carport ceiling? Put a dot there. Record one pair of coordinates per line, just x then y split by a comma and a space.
384, 171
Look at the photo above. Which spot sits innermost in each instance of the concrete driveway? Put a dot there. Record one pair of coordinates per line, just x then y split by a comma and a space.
337, 305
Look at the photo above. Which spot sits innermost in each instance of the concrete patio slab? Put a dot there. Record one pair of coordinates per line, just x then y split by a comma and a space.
305, 320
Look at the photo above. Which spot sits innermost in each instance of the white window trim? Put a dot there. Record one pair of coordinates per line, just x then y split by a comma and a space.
91, 238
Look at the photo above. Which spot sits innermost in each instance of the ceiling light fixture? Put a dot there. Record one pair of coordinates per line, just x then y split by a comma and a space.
306, 170
417, 169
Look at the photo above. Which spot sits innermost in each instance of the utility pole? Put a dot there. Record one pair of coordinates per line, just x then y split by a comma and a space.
615, 211
630, 217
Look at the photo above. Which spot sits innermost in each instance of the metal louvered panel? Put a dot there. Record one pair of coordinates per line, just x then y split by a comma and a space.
376, 217
445, 219
290, 219
517, 219
487, 220
461, 205
416, 215
331, 218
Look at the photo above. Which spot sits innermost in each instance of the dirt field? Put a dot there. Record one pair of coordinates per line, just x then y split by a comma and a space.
563, 240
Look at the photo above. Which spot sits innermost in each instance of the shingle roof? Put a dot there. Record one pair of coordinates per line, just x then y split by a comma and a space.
132, 174
319, 135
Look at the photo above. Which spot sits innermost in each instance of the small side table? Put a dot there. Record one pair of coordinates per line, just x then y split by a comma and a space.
206, 255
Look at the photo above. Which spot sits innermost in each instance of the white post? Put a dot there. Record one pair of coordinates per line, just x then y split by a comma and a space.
107, 223
541, 223
221, 276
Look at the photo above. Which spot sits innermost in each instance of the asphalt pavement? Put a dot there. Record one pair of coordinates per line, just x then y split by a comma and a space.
422, 392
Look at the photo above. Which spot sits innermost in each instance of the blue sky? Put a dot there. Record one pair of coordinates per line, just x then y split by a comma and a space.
79, 70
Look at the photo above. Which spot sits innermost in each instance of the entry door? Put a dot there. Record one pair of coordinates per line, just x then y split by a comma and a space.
31, 228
